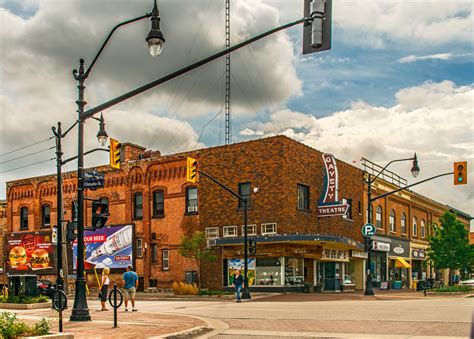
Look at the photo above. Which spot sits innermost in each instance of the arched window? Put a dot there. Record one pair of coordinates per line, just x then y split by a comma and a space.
24, 218
393, 226
378, 217
422, 228
403, 223
415, 227
45, 216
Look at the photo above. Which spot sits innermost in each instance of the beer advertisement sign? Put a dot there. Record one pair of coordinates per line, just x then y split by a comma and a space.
30, 252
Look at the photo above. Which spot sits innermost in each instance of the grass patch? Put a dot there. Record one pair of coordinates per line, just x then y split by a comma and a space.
11, 327
457, 288
24, 299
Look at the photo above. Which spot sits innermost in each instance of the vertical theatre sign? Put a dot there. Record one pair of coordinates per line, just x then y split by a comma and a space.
329, 204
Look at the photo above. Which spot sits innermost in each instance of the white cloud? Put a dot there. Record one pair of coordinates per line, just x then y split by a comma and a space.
375, 23
413, 58
435, 120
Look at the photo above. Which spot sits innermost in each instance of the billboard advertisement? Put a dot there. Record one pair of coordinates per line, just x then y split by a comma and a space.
107, 247
30, 252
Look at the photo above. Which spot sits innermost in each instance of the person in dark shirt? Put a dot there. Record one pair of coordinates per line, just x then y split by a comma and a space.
238, 283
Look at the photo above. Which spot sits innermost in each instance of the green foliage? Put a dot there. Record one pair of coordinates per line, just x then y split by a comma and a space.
449, 244
212, 292
11, 327
23, 299
457, 288
194, 247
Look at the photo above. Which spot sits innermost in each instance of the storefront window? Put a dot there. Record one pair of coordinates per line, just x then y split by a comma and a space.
349, 273
293, 271
268, 271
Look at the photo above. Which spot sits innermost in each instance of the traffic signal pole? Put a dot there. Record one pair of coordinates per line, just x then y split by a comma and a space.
244, 200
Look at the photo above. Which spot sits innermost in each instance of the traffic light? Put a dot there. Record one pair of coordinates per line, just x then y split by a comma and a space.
252, 247
115, 147
100, 213
317, 33
70, 231
191, 169
460, 173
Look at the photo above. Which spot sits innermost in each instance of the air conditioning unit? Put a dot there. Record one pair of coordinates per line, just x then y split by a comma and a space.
211, 243
153, 236
192, 208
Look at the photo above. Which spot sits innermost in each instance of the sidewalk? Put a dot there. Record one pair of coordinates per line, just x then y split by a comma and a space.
130, 324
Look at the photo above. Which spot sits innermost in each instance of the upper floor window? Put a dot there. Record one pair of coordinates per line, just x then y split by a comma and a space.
166, 260
45, 215
154, 252
74, 211
269, 228
251, 229
348, 214
244, 192
378, 217
139, 247
303, 197
158, 203
212, 232
138, 206
422, 228
403, 223
391, 221
230, 231
415, 227
24, 218
191, 199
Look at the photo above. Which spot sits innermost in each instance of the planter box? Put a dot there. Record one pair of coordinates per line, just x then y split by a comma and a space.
52, 336
10, 306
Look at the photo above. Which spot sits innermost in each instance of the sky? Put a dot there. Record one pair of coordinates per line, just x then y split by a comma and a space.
398, 79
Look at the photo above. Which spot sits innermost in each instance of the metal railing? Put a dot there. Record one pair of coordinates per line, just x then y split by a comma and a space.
389, 176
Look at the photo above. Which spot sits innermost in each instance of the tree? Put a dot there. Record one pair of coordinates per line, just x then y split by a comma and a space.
449, 245
194, 247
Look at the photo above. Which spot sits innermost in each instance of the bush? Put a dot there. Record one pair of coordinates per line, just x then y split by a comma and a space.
211, 292
11, 327
24, 299
181, 288
457, 288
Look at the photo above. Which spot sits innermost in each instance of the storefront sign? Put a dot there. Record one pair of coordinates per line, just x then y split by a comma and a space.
359, 254
329, 205
400, 248
30, 252
107, 247
418, 253
334, 254
381, 246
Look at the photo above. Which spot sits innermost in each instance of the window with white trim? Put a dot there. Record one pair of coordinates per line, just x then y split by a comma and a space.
403, 223
230, 231
422, 228
378, 217
415, 227
391, 221
166, 260
270, 228
212, 232
251, 229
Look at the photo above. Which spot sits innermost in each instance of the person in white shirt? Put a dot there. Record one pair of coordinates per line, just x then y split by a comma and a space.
105, 287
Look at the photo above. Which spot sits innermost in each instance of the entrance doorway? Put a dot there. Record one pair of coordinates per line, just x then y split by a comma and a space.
332, 276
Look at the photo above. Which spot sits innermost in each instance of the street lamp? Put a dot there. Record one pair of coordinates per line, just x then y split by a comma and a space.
415, 170
102, 134
80, 311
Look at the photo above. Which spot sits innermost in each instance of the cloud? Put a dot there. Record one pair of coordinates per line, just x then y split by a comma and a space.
413, 58
376, 23
434, 120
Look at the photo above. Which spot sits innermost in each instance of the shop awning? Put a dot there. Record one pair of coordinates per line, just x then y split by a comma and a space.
401, 263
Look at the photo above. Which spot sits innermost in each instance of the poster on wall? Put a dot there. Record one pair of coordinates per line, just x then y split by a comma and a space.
107, 247
237, 264
29, 253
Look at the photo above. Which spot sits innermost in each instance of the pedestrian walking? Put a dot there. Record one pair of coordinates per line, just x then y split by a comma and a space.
238, 283
105, 287
130, 284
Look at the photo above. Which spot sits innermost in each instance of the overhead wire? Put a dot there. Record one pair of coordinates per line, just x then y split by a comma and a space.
27, 155
21, 148
36, 163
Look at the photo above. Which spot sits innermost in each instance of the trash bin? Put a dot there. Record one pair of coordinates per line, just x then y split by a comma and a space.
397, 285
22, 285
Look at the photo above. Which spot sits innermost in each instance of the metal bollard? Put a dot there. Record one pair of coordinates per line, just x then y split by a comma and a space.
58, 297
113, 302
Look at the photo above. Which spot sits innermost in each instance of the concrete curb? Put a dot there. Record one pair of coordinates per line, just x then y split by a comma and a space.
213, 328
11, 306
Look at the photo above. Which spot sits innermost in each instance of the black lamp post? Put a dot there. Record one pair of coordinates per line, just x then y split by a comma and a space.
415, 170
80, 311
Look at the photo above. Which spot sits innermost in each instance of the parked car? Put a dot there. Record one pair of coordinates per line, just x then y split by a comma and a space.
45, 287
468, 282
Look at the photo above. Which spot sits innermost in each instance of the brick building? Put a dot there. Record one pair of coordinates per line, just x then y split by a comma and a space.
3, 224
284, 181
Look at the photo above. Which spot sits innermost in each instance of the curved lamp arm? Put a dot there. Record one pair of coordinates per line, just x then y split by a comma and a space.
415, 163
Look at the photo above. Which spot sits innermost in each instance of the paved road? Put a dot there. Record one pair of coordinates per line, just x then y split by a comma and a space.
295, 316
